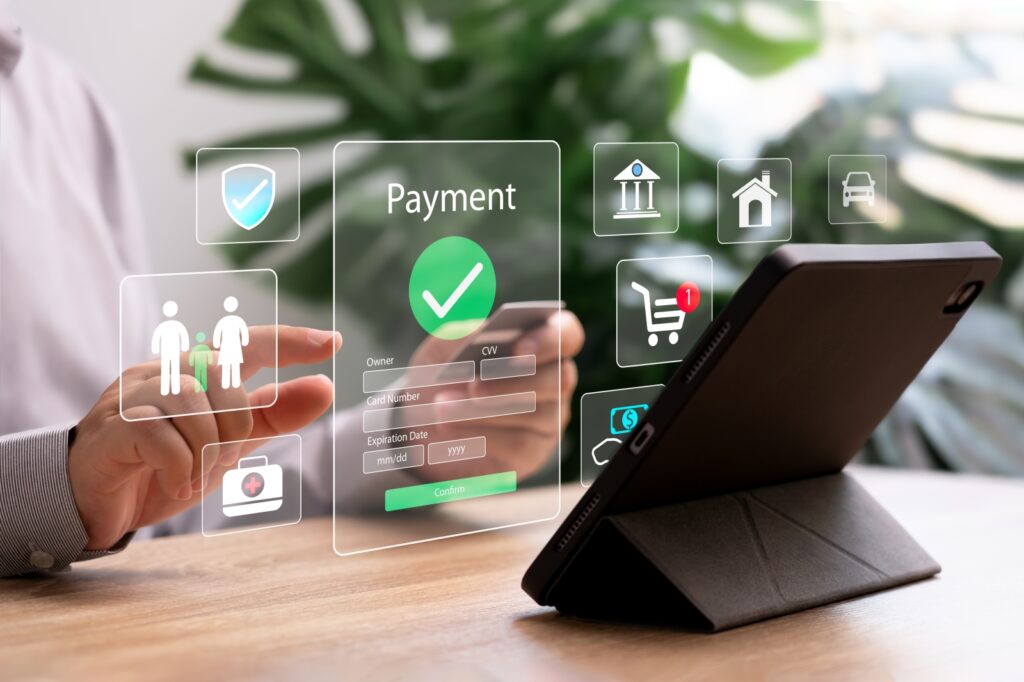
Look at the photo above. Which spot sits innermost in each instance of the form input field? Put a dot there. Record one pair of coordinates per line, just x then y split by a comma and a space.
391, 459
508, 368
449, 411
418, 376
457, 450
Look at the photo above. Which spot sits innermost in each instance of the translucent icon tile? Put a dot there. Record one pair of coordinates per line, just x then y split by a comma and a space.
247, 195
251, 484
755, 200
201, 347
607, 418
662, 306
636, 188
442, 415
857, 185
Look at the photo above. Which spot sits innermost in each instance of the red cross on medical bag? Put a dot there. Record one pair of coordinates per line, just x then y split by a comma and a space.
252, 488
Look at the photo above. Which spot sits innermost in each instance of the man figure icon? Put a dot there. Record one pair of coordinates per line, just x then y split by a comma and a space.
170, 340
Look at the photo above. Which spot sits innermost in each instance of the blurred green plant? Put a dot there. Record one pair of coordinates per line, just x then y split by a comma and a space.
597, 70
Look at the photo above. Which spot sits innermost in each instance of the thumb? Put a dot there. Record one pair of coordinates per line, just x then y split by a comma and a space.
299, 402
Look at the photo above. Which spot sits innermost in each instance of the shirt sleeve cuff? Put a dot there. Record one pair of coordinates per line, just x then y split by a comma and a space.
40, 528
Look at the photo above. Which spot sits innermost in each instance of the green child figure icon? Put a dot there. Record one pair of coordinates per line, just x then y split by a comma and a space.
200, 357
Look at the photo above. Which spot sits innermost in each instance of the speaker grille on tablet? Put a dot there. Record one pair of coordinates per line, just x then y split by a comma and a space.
706, 353
578, 522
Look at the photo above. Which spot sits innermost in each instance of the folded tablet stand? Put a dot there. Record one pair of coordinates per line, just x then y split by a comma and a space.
734, 559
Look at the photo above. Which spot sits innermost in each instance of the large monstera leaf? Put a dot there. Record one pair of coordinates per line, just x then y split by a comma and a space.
528, 69
575, 72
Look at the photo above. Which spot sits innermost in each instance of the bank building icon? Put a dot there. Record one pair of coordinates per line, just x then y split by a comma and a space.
637, 201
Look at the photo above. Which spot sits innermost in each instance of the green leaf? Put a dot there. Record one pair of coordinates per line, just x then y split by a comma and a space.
304, 82
533, 69
255, 25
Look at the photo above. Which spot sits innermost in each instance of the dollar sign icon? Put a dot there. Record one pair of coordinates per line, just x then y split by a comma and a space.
629, 419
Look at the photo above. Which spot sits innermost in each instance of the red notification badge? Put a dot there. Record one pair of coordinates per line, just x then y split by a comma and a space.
688, 297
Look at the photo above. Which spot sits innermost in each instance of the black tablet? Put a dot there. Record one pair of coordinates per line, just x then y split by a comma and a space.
787, 383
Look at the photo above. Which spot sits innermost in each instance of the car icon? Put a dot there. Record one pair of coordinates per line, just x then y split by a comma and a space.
858, 186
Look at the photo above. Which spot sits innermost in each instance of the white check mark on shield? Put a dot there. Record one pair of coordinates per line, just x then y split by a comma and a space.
248, 191
252, 195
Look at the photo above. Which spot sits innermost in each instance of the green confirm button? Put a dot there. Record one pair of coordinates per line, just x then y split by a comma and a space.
448, 491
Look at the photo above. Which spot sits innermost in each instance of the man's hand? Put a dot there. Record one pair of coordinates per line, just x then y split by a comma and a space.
520, 442
130, 474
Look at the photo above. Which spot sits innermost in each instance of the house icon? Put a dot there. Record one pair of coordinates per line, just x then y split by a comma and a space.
629, 180
755, 199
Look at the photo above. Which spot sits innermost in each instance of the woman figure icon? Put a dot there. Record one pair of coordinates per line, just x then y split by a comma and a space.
229, 336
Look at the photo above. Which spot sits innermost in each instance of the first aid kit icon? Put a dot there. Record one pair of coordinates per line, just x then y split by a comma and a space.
255, 487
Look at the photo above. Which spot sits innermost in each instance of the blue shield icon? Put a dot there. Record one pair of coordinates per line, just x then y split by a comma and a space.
248, 192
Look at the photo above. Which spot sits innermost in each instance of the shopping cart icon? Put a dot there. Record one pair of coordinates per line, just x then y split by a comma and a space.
663, 315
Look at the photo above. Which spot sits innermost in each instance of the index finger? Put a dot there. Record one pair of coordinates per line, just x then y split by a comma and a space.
282, 346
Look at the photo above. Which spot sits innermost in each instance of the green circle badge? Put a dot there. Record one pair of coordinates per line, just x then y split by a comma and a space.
451, 288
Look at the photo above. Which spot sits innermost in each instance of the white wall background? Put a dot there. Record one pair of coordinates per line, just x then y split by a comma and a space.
137, 56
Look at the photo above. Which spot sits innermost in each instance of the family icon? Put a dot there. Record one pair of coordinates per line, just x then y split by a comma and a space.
171, 338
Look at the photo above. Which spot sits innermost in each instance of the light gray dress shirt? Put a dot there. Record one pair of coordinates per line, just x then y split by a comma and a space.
70, 230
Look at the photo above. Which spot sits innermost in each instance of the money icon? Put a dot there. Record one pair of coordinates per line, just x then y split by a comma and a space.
629, 419
624, 419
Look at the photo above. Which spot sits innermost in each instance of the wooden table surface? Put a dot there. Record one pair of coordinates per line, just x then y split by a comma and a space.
287, 607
